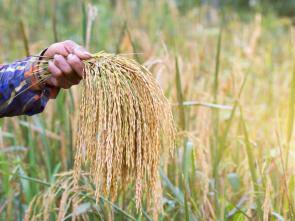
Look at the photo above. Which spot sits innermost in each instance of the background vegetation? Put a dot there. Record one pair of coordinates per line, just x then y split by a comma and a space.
230, 65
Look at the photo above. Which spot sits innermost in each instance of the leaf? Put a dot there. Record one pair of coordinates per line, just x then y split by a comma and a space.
278, 216
234, 181
175, 190
81, 209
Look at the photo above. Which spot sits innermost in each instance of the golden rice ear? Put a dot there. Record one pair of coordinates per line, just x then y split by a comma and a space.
124, 116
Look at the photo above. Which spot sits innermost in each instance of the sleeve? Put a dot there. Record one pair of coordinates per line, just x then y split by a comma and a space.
20, 90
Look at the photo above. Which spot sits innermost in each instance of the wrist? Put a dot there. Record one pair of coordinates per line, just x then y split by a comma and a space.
38, 81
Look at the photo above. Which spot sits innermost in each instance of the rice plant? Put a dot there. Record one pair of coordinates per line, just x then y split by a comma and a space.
124, 118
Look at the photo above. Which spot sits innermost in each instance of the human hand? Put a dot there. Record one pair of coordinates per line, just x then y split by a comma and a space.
67, 66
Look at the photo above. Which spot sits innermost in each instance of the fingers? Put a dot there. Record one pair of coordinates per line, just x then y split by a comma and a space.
73, 48
67, 65
67, 47
62, 64
82, 53
56, 48
54, 70
76, 64
57, 79
62, 73
70, 46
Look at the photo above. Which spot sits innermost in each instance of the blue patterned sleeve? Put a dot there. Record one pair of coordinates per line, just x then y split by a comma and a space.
20, 93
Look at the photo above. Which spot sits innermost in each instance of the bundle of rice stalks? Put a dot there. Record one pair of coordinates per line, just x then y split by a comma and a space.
124, 119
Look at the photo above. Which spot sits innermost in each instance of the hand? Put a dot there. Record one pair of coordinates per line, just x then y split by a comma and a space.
66, 66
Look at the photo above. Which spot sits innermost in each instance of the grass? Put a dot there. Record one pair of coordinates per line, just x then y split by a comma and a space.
233, 101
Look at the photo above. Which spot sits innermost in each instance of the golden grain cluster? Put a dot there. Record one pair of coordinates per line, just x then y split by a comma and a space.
123, 118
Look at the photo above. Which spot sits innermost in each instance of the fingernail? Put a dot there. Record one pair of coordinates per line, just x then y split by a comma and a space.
56, 56
70, 56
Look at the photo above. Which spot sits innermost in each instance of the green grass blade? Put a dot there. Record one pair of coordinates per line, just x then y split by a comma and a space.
121, 36
217, 67
215, 119
48, 153
84, 22
180, 97
290, 119
252, 167
54, 20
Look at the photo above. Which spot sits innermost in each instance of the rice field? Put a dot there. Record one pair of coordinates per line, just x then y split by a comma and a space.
229, 77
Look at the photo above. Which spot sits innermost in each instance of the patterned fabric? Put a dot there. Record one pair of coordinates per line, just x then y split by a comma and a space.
20, 93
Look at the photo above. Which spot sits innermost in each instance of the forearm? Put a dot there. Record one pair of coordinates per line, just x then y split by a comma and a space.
20, 92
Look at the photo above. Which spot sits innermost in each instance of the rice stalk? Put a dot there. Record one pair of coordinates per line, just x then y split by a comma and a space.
267, 200
123, 117
24, 36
